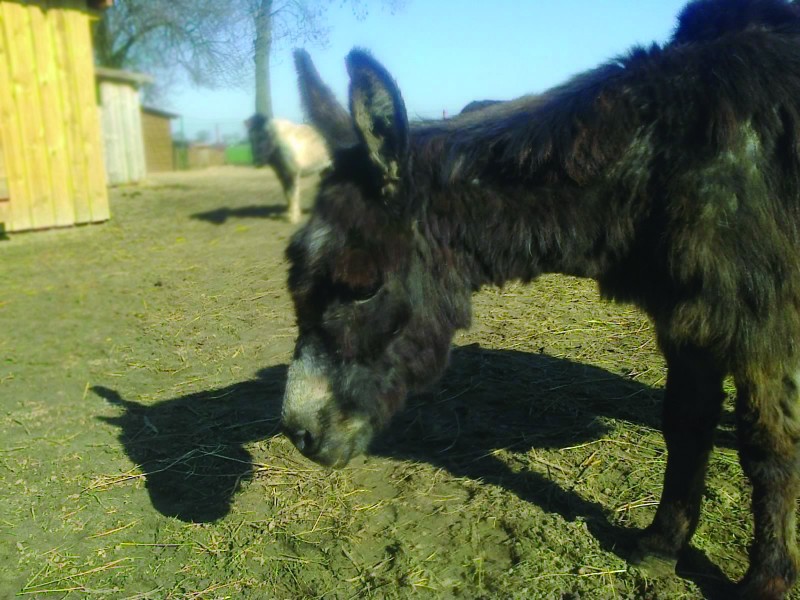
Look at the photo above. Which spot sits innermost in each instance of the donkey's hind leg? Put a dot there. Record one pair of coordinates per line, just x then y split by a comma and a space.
288, 173
293, 197
692, 406
768, 418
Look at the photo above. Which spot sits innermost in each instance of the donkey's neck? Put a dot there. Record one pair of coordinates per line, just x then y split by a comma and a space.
510, 209
498, 233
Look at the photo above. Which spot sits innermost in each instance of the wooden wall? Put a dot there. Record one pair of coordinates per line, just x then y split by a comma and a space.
122, 131
50, 142
202, 156
158, 150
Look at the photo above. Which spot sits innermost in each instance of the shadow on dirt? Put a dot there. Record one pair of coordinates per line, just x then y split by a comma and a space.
219, 216
519, 401
192, 448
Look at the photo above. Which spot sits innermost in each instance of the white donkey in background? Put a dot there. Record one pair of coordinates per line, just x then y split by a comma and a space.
293, 150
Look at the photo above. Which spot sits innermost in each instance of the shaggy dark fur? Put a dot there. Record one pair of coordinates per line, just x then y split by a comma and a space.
260, 143
477, 105
671, 176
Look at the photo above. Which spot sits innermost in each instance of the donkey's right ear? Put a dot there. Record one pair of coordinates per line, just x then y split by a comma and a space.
321, 107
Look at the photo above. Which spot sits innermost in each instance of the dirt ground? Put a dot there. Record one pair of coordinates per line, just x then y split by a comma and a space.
142, 363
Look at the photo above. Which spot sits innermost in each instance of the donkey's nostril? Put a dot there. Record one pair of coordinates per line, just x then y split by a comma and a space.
308, 442
302, 439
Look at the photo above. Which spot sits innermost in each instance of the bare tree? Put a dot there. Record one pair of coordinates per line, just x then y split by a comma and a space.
261, 51
284, 23
213, 41
198, 38
289, 23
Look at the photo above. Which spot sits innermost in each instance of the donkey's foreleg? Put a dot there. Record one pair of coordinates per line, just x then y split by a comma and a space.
691, 411
768, 415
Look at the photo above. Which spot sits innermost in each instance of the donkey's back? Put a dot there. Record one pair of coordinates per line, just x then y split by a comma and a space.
305, 145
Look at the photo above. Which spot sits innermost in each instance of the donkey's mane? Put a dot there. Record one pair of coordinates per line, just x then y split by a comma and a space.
521, 137
572, 132
710, 19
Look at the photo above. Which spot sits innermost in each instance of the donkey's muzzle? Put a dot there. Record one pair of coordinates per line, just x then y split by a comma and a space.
312, 447
303, 440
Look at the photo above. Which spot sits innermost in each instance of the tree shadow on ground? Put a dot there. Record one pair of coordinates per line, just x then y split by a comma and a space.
192, 448
219, 216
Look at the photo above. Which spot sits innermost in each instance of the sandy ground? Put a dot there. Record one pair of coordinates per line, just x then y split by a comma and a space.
142, 363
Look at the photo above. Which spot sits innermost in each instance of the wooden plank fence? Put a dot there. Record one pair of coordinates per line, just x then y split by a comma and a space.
51, 154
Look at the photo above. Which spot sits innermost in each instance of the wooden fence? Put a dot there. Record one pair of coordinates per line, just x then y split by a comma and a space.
51, 154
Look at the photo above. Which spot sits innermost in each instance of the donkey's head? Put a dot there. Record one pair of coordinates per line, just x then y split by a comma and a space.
376, 304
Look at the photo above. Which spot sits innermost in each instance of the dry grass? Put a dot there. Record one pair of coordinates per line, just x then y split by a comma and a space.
141, 380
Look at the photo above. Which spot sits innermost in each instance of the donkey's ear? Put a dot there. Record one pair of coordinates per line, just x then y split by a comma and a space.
380, 119
320, 105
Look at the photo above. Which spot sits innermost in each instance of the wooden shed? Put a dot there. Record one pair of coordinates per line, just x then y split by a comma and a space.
120, 109
157, 130
202, 156
51, 153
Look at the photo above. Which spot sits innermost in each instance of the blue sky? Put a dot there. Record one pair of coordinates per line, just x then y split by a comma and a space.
445, 53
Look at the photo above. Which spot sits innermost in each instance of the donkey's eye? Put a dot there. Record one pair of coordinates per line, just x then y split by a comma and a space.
348, 294
355, 275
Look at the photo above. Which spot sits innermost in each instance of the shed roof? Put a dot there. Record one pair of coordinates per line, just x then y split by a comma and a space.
136, 79
160, 113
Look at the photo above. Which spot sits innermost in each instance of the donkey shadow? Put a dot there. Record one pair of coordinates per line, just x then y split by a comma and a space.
492, 399
219, 216
193, 448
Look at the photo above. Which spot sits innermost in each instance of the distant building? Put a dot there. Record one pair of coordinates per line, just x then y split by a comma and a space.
202, 156
121, 115
158, 147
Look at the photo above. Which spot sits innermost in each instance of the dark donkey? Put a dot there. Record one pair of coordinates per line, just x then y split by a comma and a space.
671, 176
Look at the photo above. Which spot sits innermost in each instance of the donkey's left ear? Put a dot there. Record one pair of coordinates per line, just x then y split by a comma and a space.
379, 116
321, 107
